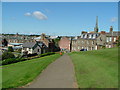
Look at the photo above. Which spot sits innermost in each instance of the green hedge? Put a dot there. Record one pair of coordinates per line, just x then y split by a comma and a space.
46, 54
15, 60
12, 60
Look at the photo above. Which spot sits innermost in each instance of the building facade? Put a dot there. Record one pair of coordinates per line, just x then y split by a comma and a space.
65, 43
89, 41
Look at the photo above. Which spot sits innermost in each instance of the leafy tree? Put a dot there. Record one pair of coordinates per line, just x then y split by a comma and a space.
4, 42
10, 49
118, 41
57, 41
7, 55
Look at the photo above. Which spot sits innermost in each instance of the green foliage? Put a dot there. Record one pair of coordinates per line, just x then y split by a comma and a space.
46, 54
12, 60
96, 69
7, 55
118, 42
10, 49
103, 47
56, 41
19, 59
21, 73
4, 42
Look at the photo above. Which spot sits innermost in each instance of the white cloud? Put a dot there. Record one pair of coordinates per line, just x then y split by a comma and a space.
27, 14
114, 19
39, 15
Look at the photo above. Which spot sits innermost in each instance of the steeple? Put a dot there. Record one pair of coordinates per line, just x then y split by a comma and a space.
96, 26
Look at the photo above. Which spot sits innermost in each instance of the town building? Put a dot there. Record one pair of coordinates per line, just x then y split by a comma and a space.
15, 46
111, 38
65, 43
34, 48
89, 41
96, 40
47, 41
17, 38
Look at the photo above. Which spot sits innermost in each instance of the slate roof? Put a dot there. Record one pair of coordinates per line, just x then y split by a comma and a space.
29, 44
83, 36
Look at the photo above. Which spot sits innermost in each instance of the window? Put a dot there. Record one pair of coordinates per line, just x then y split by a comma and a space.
92, 42
114, 39
38, 50
90, 36
78, 41
87, 42
85, 35
107, 39
87, 48
94, 36
82, 42
110, 38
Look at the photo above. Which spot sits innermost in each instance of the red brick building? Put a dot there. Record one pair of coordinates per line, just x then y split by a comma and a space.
65, 43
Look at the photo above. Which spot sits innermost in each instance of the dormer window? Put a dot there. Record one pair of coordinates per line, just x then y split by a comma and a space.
85, 36
90, 36
94, 36
82, 36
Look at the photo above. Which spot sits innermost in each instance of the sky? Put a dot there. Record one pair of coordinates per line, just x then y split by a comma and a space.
58, 18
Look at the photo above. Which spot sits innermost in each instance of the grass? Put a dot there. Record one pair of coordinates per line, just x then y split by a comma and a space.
96, 69
21, 73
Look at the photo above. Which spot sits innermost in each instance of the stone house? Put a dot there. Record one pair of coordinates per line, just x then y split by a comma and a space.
47, 41
17, 38
33, 48
89, 41
111, 38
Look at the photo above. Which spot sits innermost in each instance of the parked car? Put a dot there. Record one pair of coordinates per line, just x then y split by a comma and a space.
83, 50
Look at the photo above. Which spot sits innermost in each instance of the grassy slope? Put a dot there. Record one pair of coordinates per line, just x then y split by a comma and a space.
96, 69
21, 73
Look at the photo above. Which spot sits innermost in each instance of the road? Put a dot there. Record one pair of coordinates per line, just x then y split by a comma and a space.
59, 74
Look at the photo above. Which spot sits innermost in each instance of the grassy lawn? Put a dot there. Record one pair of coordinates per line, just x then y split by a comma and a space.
96, 69
19, 74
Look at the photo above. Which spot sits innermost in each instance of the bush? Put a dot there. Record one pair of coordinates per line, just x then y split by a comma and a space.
15, 60
46, 54
7, 55
10, 49
12, 60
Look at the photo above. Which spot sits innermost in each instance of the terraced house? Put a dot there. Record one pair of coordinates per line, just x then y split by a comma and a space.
111, 38
89, 41
96, 40
18, 38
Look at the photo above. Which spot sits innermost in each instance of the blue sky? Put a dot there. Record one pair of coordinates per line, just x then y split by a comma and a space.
58, 18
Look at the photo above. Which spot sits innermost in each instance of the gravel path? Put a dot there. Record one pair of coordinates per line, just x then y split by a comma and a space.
59, 74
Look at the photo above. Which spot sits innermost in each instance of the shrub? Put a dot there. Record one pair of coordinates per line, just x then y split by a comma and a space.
46, 54
15, 60
10, 49
8, 61
7, 55
12, 60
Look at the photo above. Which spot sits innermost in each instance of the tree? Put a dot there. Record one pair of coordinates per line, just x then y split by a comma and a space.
4, 42
7, 55
10, 49
118, 41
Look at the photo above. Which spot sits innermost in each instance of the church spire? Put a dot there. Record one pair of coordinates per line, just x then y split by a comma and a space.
96, 26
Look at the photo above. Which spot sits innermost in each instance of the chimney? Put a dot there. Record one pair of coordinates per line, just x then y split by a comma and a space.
43, 36
83, 32
111, 29
102, 32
